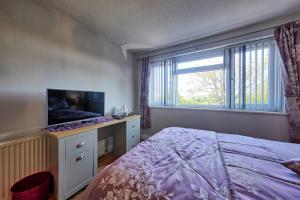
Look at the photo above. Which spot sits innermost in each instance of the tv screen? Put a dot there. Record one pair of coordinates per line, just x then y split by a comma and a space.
69, 105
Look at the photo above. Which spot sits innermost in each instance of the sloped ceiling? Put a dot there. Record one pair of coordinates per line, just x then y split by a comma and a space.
155, 23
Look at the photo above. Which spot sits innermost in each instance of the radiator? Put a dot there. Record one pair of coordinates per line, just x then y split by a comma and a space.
20, 158
105, 146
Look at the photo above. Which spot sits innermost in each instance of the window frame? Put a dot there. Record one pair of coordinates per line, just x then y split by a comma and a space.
226, 66
273, 74
204, 68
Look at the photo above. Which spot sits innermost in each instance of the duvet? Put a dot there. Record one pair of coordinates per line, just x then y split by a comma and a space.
183, 164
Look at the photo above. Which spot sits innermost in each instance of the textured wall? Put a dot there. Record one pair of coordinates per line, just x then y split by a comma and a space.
41, 48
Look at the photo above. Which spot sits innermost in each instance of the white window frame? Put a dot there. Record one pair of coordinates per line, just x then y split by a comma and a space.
191, 70
275, 104
226, 66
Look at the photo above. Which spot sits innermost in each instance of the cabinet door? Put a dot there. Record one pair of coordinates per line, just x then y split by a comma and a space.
79, 170
133, 133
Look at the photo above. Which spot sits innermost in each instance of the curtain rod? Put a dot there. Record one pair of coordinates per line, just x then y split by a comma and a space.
221, 40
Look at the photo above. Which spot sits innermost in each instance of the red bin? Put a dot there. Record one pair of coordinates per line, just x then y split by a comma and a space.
33, 187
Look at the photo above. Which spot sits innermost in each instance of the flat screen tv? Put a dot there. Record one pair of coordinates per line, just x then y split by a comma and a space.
69, 105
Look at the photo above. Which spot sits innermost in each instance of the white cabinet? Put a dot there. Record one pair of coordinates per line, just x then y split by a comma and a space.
74, 160
133, 133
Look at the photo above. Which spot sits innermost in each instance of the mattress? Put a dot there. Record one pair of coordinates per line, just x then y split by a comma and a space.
182, 164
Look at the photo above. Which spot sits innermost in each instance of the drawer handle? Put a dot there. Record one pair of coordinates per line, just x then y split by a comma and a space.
133, 136
81, 144
132, 126
80, 157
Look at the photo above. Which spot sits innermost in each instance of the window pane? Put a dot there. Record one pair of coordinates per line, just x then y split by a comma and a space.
256, 85
257, 77
156, 83
161, 88
201, 63
202, 88
237, 61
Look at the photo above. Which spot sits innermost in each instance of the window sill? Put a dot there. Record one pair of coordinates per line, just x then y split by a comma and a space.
220, 110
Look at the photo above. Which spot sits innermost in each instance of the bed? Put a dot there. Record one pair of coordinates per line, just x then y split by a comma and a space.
182, 164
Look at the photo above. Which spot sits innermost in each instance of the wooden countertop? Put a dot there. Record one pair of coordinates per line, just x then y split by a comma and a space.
62, 134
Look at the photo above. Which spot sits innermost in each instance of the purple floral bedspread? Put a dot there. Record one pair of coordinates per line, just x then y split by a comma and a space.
179, 163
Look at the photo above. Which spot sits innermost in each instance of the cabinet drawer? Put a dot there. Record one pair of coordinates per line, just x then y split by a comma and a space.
79, 144
134, 138
79, 168
132, 143
133, 133
133, 128
133, 124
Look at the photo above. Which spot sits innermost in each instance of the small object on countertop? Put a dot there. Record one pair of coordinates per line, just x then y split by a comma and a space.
125, 110
118, 115
121, 115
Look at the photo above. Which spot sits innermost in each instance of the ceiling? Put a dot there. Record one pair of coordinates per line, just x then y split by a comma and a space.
142, 24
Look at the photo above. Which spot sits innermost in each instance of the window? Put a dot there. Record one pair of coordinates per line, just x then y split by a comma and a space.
200, 80
243, 77
256, 77
161, 83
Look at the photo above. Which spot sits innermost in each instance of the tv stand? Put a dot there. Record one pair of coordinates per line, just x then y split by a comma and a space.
74, 158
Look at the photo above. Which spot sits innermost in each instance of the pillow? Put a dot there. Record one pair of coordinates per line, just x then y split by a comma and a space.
293, 164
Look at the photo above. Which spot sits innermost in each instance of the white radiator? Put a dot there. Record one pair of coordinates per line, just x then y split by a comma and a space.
105, 146
20, 158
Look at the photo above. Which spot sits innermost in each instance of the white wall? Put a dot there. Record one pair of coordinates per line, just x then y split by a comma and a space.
41, 48
268, 126
260, 125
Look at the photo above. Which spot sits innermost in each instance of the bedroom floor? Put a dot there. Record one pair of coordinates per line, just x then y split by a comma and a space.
102, 163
